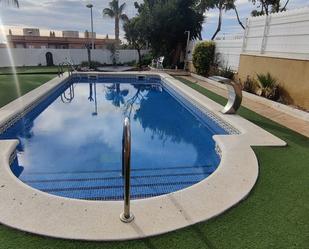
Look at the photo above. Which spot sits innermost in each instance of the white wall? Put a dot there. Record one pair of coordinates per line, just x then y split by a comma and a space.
284, 34
228, 49
33, 57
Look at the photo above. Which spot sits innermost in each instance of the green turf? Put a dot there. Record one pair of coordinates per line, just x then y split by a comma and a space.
275, 215
29, 70
8, 89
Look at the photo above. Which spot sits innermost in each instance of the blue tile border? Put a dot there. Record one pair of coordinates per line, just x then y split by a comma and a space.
200, 111
209, 119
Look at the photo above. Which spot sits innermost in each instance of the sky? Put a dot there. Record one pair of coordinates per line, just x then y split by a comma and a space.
60, 15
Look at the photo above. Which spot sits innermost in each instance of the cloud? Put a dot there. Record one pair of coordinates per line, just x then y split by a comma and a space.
73, 15
241, 2
62, 15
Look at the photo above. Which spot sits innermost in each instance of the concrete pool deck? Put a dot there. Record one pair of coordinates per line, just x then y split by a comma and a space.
27, 209
298, 122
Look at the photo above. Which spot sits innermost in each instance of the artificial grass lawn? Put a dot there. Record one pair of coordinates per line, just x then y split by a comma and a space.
29, 70
8, 90
275, 215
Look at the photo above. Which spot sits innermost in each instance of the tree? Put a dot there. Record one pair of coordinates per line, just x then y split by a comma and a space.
116, 95
135, 35
116, 11
238, 19
14, 2
164, 24
265, 7
221, 5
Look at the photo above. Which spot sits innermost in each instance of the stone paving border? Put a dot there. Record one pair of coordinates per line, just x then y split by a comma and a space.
287, 116
27, 209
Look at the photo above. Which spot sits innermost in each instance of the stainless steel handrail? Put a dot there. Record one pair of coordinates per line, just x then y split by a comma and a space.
126, 216
68, 99
70, 68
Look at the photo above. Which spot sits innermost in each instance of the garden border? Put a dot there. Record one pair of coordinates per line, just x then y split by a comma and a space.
273, 104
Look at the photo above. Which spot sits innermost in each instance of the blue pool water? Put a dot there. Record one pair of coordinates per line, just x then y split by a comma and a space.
70, 144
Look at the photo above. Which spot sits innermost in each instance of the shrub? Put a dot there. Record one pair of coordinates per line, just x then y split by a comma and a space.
250, 85
131, 63
227, 72
93, 64
268, 86
203, 57
146, 59
213, 70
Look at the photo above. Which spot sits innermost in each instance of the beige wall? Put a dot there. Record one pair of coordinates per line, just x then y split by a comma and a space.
292, 74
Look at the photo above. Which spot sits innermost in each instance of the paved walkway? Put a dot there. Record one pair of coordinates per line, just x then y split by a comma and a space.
299, 125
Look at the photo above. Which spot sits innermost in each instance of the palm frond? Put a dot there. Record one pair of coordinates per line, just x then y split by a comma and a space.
108, 12
121, 8
14, 2
266, 80
124, 18
114, 5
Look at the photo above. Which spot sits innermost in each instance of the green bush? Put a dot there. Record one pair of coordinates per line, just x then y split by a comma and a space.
227, 72
131, 63
268, 86
250, 85
203, 57
146, 59
93, 64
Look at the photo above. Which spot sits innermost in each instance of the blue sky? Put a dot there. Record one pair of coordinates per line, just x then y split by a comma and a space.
230, 24
73, 15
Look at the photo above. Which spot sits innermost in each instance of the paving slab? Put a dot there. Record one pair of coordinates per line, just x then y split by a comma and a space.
296, 124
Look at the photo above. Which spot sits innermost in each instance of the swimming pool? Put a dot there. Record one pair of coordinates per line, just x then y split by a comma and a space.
171, 124
70, 143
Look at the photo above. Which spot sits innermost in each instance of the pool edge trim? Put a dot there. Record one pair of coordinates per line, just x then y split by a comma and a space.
31, 210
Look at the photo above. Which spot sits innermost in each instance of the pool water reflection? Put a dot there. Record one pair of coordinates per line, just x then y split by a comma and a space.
73, 147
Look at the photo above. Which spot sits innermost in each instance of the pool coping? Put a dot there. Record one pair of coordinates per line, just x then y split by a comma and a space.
27, 209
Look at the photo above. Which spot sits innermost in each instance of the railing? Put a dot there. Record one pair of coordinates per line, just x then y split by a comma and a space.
126, 216
71, 94
69, 65
64, 98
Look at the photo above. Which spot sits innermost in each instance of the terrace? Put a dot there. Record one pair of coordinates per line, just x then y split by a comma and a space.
227, 180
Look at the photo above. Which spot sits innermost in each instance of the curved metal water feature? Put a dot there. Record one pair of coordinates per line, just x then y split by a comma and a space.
234, 94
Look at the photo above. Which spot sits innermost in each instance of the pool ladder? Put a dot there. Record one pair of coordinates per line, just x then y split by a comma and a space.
70, 68
126, 216
68, 99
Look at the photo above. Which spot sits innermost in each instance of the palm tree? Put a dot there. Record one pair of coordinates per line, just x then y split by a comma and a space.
116, 11
14, 2
116, 95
